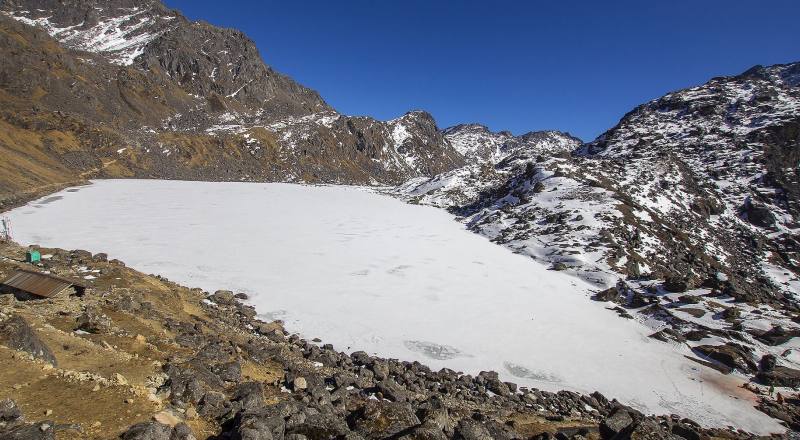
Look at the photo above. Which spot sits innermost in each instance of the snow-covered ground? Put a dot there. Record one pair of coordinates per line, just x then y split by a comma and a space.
364, 271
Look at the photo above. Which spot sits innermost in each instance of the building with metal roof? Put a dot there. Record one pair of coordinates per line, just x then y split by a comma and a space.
28, 284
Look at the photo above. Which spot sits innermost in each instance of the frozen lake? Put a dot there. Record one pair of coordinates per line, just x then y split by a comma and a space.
367, 272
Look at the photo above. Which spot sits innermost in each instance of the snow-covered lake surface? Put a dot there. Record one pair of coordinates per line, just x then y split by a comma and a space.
367, 272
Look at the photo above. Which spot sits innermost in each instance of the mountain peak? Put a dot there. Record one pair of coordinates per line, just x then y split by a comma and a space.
478, 142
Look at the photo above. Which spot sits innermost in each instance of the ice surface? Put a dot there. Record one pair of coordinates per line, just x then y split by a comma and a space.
367, 272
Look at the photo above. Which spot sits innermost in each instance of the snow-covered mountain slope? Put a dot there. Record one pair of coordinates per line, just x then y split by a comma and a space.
477, 142
491, 157
333, 148
533, 201
684, 215
719, 164
119, 30
699, 184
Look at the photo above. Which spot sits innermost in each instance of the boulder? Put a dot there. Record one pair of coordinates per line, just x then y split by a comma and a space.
223, 297
616, 422
622, 313
9, 412
731, 313
18, 334
299, 383
36, 431
768, 362
343, 379
228, 371
638, 300
100, 257
469, 429
392, 390
93, 322
757, 214
650, 429
730, 355
323, 425
500, 431
780, 377
377, 420
361, 358
213, 405
148, 431
80, 256
260, 426
689, 299
424, 432
685, 431
696, 335
183, 384
777, 335
158, 431
249, 396
610, 294
498, 387
675, 284
667, 335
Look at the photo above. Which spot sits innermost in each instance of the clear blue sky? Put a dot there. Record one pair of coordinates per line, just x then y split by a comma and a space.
576, 66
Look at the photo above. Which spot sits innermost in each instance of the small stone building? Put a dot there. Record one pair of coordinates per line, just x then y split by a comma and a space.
27, 284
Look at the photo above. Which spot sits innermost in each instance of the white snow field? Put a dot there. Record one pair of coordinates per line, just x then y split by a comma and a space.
364, 271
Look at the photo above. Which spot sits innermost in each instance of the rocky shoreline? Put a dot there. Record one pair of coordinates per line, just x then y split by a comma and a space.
204, 366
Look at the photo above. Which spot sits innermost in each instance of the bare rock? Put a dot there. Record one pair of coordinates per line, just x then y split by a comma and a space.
780, 377
377, 420
18, 334
730, 355
615, 423
469, 429
610, 294
223, 297
675, 284
155, 430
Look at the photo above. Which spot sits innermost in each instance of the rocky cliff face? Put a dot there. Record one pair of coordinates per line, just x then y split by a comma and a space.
134, 89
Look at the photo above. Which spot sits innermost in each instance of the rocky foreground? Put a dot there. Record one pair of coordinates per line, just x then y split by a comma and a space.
140, 357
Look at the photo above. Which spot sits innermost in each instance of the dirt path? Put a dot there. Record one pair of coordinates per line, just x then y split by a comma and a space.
104, 165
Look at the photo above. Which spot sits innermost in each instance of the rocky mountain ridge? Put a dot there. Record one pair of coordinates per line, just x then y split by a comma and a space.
684, 215
715, 162
123, 87
479, 144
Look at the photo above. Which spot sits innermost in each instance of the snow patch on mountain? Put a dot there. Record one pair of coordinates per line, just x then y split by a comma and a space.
121, 38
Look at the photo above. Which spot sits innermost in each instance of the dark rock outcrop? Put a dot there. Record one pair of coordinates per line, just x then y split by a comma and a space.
732, 356
18, 334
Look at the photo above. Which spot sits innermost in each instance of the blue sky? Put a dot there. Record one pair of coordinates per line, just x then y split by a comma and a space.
575, 66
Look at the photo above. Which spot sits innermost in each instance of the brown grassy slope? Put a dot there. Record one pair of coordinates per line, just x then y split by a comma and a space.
66, 117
